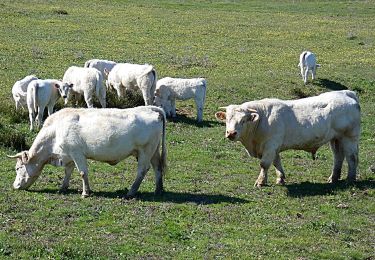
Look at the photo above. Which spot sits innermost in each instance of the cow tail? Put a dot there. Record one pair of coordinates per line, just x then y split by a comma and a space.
153, 87
35, 96
205, 90
163, 159
100, 90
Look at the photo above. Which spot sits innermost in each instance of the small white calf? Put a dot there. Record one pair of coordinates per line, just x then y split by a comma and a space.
169, 89
19, 90
42, 94
307, 63
100, 65
133, 76
86, 82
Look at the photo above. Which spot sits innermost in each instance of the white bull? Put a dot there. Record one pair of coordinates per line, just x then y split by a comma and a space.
125, 76
71, 136
42, 94
84, 82
270, 126
169, 89
19, 90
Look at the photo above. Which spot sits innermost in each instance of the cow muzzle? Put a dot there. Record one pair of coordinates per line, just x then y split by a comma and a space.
231, 135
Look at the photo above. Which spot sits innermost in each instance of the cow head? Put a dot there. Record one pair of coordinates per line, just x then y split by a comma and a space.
237, 120
64, 89
26, 172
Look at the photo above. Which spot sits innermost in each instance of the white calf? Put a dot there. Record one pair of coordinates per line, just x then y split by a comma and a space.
169, 89
86, 82
19, 90
42, 94
100, 65
133, 76
307, 63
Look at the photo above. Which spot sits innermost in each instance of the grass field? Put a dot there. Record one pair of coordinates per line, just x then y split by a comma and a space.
246, 50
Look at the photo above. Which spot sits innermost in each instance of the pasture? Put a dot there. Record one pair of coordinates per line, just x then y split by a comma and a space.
246, 50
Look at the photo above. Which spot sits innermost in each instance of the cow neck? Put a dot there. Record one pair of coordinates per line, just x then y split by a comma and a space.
41, 149
250, 138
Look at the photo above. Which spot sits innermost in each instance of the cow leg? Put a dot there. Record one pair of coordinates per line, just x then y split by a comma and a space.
88, 100
40, 116
143, 166
265, 163
199, 105
68, 173
306, 75
338, 159
146, 96
173, 107
302, 73
156, 165
313, 73
102, 97
32, 119
50, 109
351, 155
81, 164
279, 170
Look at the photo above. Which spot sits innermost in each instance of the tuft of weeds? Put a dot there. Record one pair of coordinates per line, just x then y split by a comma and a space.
60, 12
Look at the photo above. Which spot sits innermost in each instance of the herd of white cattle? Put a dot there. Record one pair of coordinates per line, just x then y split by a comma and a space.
265, 127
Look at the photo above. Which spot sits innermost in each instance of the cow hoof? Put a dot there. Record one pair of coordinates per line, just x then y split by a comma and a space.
332, 180
280, 181
85, 195
159, 192
129, 196
259, 184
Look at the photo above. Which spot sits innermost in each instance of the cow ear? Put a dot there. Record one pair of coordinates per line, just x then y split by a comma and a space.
253, 117
57, 86
25, 157
221, 116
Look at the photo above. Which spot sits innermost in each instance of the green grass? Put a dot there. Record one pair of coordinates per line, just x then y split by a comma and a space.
247, 50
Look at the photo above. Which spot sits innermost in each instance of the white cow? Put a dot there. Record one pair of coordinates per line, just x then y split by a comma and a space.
133, 76
42, 94
19, 90
269, 126
86, 82
307, 63
71, 136
100, 65
169, 89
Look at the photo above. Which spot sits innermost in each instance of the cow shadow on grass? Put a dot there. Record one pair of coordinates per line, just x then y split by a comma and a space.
167, 196
309, 189
330, 84
183, 119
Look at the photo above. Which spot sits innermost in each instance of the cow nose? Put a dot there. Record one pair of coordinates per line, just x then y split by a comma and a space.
64, 96
231, 134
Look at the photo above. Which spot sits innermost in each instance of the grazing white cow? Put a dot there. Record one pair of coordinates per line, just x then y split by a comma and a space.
42, 94
19, 90
125, 76
86, 82
307, 63
269, 126
71, 136
100, 65
169, 89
